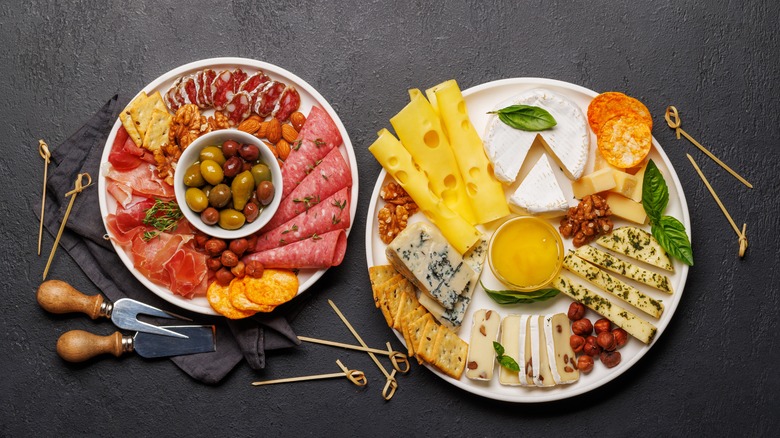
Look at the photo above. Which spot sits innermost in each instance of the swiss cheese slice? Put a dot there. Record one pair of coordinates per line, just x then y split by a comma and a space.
539, 193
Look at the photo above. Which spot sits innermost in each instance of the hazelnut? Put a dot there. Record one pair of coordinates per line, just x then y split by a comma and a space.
213, 264
576, 311
239, 246
229, 258
254, 269
606, 341
224, 277
585, 363
576, 342
214, 246
610, 359
602, 325
621, 337
591, 347
239, 270
582, 327
200, 240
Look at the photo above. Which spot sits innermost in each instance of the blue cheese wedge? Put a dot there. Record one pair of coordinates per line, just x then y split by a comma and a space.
526, 353
630, 270
557, 331
482, 355
510, 340
539, 193
637, 244
542, 375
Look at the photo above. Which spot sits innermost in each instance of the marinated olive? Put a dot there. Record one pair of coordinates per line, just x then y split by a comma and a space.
193, 176
230, 219
212, 172
246, 166
233, 167
210, 216
265, 192
212, 153
261, 172
251, 211
207, 189
196, 199
249, 152
220, 196
230, 148
242, 187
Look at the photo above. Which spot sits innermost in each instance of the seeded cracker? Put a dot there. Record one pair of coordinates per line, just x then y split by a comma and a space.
450, 353
378, 275
391, 290
428, 341
408, 320
407, 301
416, 330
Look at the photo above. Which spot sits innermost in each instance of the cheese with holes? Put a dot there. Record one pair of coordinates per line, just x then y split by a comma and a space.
510, 340
485, 193
626, 208
526, 353
482, 355
563, 361
630, 270
627, 185
399, 164
539, 193
596, 182
421, 133
632, 324
542, 374
425, 258
637, 244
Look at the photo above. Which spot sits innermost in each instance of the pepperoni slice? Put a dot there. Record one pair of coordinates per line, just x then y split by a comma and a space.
222, 89
251, 83
239, 76
289, 102
266, 100
239, 107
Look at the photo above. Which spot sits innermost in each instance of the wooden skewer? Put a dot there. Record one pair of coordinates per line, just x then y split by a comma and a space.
391, 384
399, 360
743, 242
673, 120
79, 186
354, 376
43, 149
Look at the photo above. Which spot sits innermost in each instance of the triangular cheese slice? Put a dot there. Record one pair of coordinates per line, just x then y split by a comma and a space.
539, 193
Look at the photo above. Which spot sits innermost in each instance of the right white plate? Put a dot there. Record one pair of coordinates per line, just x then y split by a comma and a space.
481, 99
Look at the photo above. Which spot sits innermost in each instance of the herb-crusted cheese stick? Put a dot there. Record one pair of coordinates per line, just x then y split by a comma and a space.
637, 244
632, 324
630, 270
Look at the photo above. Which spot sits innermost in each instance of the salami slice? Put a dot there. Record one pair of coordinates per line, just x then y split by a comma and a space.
190, 88
288, 103
318, 136
266, 99
329, 215
239, 76
317, 252
326, 178
251, 83
170, 96
222, 89
239, 108
206, 96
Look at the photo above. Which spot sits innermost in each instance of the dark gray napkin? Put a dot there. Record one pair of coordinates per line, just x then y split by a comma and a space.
83, 238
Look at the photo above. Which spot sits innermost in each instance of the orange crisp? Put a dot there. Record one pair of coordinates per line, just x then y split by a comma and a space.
613, 104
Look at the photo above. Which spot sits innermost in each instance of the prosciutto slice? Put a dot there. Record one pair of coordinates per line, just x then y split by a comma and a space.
316, 252
143, 181
125, 155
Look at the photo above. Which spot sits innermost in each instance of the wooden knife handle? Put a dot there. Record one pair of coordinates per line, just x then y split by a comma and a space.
59, 297
78, 345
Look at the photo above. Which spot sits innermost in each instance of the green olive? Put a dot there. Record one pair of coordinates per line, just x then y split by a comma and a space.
220, 196
193, 177
230, 219
261, 173
242, 187
211, 171
213, 153
196, 199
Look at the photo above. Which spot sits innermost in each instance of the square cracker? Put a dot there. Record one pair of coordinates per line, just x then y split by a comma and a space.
378, 275
386, 294
130, 127
428, 341
450, 353
416, 330
408, 319
157, 132
407, 301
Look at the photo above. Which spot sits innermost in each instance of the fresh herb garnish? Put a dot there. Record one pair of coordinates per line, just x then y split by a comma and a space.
526, 117
316, 237
338, 204
293, 228
668, 231
318, 142
506, 297
335, 219
296, 145
163, 216
505, 361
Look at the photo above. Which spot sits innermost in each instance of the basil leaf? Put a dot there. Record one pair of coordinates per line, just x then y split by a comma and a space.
499, 348
505, 361
526, 117
670, 233
655, 193
506, 299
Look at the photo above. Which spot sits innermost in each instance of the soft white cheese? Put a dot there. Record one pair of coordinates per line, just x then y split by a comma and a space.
539, 193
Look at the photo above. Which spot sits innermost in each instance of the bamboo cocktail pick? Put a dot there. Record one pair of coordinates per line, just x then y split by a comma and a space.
389, 390
673, 120
79, 186
399, 360
743, 242
354, 376
43, 149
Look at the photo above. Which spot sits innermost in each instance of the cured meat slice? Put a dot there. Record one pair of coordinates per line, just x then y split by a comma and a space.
239, 76
318, 136
125, 154
222, 89
317, 252
326, 178
266, 99
190, 89
288, 103
187, 272
206, 95
251, 83
121, 192
170, 97
239, 107
143, 180
329, 215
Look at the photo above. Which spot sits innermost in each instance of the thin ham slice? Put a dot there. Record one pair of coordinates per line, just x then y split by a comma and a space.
329, 215
316, 252
328, 177
318, 136
143, 180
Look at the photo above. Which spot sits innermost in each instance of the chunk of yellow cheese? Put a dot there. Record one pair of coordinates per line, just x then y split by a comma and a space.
598, 181
421, 133
484, 191
397, 161
626, 208
627, 185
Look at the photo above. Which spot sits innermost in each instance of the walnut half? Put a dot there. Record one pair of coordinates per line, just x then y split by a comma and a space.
394, 216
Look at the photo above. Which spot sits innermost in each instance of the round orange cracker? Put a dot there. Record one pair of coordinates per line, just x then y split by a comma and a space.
624, 141
239, 300
613, 104
219, 299
275, 287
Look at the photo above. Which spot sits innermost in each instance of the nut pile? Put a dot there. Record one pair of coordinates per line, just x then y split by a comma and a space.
588, 220
225, 257
279, 138
394, 215
604, 344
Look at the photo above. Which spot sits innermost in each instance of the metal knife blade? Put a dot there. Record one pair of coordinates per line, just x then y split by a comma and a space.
200, 339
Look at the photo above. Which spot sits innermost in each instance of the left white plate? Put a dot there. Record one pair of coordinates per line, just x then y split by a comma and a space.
309, 98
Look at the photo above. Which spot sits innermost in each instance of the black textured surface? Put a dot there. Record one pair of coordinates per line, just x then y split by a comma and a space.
714, 370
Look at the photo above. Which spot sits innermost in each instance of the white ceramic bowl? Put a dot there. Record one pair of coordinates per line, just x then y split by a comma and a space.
191, 155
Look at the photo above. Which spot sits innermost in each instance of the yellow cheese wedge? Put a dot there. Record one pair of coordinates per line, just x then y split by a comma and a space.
598, 181
485, 192
626, 208
627, 185
421, 133
398, 162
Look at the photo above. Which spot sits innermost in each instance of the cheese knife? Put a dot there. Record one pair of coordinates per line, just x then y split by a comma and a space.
79, 345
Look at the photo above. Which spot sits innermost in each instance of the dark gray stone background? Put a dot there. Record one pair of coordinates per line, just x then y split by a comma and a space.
712, 372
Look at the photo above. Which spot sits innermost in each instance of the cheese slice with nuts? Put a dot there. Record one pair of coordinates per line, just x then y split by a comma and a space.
630, 270
510, 340
482, 355
542, 375
637, 244
563, 361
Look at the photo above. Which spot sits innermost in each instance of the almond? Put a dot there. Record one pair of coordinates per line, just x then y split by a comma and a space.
289, 133
249, 125
297, 119
272, 148
273, 131
283, 148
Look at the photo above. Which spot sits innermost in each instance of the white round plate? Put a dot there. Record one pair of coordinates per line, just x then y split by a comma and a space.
309, 97
480, 100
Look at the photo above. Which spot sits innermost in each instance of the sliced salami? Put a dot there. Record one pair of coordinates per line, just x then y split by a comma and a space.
251, 83
288, 103
329, 215
239, 76
266, 99
318, 136
317, 252
206, 96
324, 179
222, 89
190, 88
170, 96
239, 108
